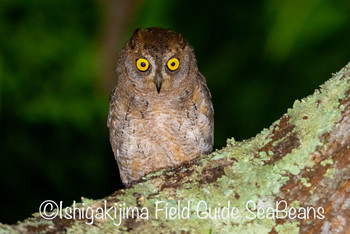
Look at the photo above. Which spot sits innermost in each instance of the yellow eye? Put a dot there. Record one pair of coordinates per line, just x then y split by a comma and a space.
173, 64
142, 64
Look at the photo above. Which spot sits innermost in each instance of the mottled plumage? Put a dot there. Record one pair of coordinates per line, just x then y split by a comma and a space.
160, 111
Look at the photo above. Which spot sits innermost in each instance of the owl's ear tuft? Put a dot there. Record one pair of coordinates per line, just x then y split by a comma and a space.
137, 33
182, 41
135, 37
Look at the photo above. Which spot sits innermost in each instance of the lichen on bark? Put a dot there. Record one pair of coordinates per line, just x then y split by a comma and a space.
302, 159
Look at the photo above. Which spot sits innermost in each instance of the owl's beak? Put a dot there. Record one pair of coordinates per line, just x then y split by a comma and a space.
158, 82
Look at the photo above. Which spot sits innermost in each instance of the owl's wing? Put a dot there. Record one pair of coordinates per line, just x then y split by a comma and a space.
204, 83
207, 127
112, 103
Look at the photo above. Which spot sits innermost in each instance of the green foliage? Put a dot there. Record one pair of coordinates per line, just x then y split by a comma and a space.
53, 113
257, 57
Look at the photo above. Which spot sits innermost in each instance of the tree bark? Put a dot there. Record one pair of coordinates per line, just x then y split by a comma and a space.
116, 17
302, 161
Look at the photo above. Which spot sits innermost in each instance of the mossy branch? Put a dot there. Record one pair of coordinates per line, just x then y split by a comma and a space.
302, 160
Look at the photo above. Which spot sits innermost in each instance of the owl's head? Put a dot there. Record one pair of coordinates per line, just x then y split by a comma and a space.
156, 60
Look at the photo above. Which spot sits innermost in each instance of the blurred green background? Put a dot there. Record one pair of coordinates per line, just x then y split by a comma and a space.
57, 62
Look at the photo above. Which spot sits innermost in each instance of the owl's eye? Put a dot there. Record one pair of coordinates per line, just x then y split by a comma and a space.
142, 64
173, 64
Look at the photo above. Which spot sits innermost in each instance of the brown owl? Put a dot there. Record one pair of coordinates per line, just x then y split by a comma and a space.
160, 111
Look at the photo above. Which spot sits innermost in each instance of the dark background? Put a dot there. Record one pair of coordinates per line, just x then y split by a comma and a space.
57, 62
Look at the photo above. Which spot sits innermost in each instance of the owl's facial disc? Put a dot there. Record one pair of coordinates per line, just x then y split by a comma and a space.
158, 81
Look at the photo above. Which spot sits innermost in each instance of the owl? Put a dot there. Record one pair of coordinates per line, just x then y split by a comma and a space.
160, 111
